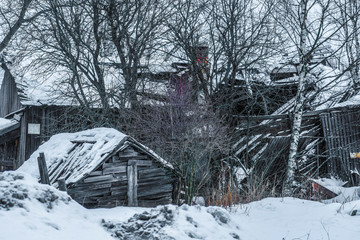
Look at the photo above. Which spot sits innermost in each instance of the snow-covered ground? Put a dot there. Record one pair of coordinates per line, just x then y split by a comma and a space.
32, 211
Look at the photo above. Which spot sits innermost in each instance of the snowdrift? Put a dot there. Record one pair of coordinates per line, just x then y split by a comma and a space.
29, 210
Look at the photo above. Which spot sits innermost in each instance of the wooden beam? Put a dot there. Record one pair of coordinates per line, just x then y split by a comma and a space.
132, 186
140, 162
118, 169
22, 142
62, 184
44, 174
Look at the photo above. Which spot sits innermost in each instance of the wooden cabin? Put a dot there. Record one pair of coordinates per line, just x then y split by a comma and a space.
105, 168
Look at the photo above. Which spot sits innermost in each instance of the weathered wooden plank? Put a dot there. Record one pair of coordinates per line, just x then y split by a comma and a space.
119, 192
83, 141
154, 179
118, 169
140, 162
91, 186
61, 169
52, 169
111, 165
325, 119
101, 178
95, 173
146, 190
121, 197
155, 196
129, 157
151, 172
91, 193
118, 188
44, 174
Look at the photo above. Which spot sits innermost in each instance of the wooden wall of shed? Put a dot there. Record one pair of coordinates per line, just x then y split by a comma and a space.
9, 98
48, 118
107, 186
9, 144
342, 135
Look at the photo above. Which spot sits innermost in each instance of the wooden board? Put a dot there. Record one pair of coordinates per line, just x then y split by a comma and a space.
115, 169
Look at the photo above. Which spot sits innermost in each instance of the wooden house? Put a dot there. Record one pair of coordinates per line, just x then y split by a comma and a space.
329, 139
37, 117
105, 168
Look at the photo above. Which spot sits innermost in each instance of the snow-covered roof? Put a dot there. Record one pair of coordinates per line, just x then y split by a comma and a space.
7, 125
74, 155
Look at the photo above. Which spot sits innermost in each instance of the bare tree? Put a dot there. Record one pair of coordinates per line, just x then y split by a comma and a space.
190, 136
348, 19
12, 17
135, 27
187, 39
244, 38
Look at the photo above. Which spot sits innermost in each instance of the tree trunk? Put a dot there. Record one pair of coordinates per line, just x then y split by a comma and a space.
298, 108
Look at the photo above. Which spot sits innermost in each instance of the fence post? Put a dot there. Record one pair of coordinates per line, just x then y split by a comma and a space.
44, 174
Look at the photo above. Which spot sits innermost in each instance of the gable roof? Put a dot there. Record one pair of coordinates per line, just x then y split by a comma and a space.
74, 155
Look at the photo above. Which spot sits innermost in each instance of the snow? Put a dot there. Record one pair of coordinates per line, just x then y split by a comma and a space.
5, 123
58, 147
33, 211
42, 212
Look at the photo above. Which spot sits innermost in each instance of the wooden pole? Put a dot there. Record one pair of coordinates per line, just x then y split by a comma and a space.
62, 184
132, 184
44, 174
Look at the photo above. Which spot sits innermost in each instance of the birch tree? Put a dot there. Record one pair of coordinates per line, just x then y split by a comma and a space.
307, 28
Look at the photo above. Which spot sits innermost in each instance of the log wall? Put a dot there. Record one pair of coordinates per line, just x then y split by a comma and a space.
127, 178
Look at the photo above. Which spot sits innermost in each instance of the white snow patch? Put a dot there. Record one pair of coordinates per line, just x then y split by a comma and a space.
5, 123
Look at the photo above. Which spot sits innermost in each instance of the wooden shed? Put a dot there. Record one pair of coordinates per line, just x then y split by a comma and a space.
105, 168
